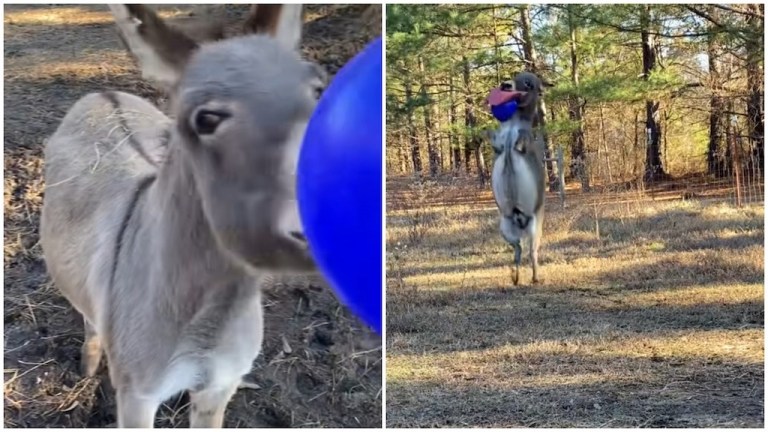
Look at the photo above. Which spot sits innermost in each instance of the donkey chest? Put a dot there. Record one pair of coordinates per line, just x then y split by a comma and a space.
217, 360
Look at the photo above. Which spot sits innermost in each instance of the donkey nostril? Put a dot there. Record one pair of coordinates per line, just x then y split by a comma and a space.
298, 236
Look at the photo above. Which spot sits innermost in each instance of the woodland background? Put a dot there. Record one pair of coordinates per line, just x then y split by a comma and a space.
649, 311
639, 93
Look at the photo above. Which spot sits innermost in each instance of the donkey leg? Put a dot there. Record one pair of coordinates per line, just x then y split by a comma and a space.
511, 234
518, 258
208, 406
535, 245
535, 242
91, 352
134, 411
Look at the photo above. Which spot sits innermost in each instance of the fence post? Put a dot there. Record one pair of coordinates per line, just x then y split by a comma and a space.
735, 149
561, 175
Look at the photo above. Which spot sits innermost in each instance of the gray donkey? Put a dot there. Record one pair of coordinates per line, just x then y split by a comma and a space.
518, 173
160, 230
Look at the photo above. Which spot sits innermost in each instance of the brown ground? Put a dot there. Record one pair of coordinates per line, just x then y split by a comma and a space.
650, 313
319, 367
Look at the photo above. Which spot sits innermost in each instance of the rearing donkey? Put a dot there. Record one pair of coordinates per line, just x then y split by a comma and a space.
160, 230
518, 172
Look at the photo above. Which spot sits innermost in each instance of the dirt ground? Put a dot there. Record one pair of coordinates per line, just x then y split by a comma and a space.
320, 367
650, 313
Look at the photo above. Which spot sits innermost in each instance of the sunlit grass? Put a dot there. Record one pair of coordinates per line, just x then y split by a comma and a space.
694, 295
82, 69
68, 16
643, 304
544, 363
63, 16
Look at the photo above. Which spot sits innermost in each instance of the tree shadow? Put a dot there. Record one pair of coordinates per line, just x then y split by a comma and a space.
670, 273
450, 321
673, 224
615, 391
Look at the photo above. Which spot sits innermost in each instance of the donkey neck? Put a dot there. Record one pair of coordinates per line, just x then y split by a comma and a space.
189, 257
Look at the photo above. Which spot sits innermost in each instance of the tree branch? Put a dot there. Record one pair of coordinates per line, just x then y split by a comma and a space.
738, 11
635, 30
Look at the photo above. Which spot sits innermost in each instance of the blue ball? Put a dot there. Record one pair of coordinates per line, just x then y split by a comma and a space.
504, 111
339, 184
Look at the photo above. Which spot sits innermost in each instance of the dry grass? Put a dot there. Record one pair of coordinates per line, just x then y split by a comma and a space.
77, 15
319, 367
650, 314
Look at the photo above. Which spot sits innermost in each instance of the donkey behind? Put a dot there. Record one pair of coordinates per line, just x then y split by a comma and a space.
518, 173
160, 231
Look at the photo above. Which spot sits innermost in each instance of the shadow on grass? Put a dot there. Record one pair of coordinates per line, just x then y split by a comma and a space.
665, 273
632, 392
479, 320
669, 232
670, 224
670, 273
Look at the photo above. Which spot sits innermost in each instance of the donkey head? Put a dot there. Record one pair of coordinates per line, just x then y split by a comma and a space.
532, 86
241, 107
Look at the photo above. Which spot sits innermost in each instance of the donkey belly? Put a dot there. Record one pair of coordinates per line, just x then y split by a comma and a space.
525, 183
516, 193
504, 197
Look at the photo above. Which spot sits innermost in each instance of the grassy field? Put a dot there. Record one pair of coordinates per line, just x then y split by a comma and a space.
650, 314
319, 366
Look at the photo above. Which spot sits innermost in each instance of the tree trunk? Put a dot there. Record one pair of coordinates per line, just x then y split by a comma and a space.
730, 140
636, 147
468, 116
496, 45
654, 169
412, 138
404, 162
531, 61
604, 141
755, 83
576, 114
453, 139
714, 149
471, 142
438, 136
428, 132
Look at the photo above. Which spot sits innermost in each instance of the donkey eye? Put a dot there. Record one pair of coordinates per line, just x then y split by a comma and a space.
317, 92
529, 85
206, 122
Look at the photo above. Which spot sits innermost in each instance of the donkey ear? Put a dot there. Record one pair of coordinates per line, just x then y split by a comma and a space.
282, 21
160, 50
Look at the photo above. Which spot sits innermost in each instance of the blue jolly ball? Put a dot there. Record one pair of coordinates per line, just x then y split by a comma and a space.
504, 111
339, 184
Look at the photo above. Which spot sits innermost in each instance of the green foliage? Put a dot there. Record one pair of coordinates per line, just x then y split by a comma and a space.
429, 45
